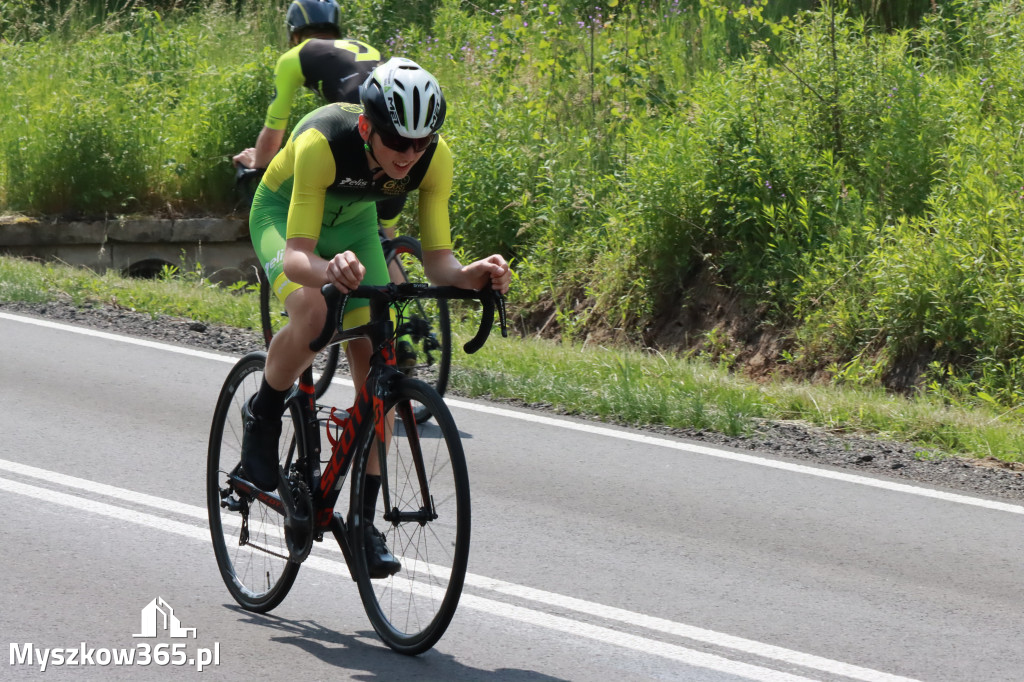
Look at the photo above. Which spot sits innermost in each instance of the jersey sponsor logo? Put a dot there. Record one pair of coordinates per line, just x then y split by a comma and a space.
275, 262
361, 51
393, 186
351, 182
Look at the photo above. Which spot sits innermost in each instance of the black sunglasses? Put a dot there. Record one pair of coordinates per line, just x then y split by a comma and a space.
401, 144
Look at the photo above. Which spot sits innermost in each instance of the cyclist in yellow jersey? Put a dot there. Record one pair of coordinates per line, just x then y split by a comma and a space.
314, 221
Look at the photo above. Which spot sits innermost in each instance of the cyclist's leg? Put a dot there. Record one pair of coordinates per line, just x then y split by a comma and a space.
249, 537
288, 354
261, 414
365, 243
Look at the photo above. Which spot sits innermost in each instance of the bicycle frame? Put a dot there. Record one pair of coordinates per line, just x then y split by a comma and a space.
356, 434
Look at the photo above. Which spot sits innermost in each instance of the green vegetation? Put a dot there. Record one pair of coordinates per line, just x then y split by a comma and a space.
846, 178
181, 293
614, 384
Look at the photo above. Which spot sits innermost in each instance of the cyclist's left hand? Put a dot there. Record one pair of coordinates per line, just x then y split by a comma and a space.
493, 269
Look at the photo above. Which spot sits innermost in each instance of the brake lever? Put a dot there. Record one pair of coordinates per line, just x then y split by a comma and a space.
335, 304
245, 175
499, 301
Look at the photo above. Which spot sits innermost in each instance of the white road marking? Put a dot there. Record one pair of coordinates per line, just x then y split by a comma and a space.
587, 427
530, 616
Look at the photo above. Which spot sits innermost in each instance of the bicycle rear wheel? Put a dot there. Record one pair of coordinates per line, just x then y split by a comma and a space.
327, 373
423, 510
426, 324
248, 536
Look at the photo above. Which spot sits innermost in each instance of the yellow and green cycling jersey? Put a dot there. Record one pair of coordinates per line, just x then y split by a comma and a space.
321, 187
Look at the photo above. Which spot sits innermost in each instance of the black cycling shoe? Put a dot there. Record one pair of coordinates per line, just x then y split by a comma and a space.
259, 448
381, 561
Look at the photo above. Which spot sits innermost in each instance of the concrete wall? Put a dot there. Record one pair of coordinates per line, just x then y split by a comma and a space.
136, 246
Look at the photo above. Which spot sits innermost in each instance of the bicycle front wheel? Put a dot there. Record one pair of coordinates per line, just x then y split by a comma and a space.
423, 511
248, 536
425, 326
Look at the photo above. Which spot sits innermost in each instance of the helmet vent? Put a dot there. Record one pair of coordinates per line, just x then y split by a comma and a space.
403, 98
416, 101
431, 107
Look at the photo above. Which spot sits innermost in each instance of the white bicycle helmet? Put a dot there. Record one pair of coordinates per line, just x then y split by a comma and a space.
403, 98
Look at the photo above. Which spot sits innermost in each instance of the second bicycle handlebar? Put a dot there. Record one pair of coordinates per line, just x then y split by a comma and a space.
395, 293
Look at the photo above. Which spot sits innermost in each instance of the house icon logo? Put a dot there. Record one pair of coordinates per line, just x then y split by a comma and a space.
158, 616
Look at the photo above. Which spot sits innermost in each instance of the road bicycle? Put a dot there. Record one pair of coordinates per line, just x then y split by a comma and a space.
425, 323
261, 538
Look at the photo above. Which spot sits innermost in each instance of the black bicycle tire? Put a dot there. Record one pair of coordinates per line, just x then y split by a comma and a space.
321, 385
249, 600
443, 326
415, 643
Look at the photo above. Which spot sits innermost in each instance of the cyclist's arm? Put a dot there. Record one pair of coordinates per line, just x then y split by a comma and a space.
267, 145
439, 262
434, 192
287, 81
444, 269
314, 170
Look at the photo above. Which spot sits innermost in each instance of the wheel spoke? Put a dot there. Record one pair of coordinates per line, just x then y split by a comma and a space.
411, 609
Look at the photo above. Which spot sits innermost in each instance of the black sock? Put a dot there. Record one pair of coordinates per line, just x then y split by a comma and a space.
269, 402
372, 488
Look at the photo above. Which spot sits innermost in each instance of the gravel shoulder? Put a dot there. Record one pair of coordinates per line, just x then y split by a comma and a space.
789, 441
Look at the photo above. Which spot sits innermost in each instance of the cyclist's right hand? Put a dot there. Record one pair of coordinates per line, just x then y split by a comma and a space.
345, 271
246, 158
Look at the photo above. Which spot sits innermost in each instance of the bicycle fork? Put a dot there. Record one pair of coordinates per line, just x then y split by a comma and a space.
427, 511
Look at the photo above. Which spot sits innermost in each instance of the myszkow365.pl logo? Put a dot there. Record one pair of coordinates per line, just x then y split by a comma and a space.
157, 618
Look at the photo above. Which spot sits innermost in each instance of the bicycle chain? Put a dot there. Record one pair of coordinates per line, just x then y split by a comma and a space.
244, 539
269, 551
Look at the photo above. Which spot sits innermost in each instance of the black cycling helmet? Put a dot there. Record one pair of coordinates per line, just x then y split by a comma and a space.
402, 98
314, 15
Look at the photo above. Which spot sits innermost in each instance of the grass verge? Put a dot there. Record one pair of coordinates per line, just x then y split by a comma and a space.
616, 385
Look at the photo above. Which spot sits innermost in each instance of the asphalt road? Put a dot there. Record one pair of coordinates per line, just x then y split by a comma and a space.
597, 553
